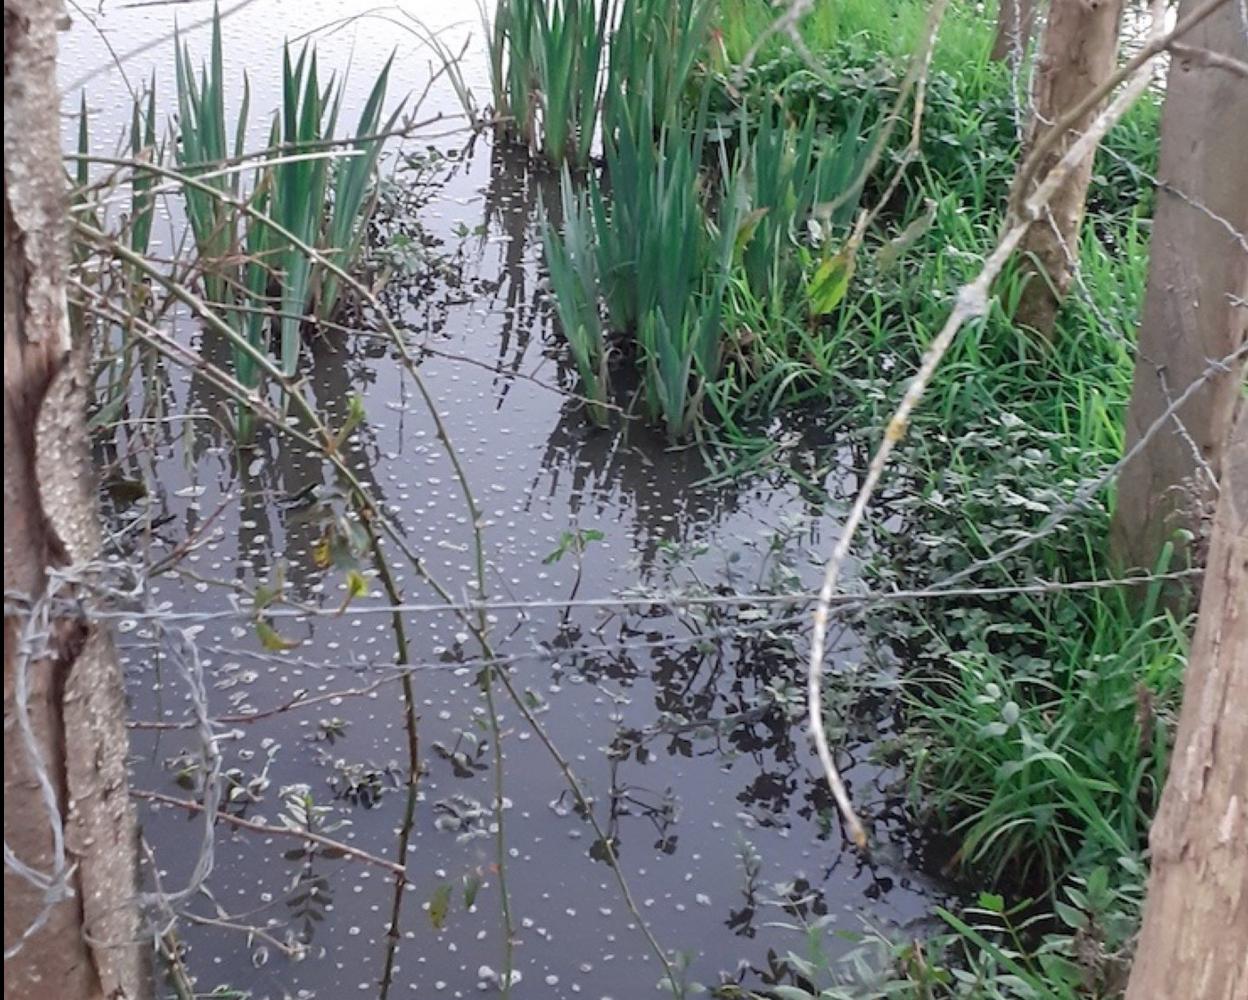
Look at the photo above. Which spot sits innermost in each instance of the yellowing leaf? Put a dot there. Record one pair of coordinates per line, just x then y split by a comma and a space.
439, 905
829, 283
745, 231
322, 552
357, 586
271, 639
888, 255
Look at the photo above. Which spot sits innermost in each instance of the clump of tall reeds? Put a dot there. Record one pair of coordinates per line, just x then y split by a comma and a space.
270, 251
654, 248
563, 74
653, 256
546, 61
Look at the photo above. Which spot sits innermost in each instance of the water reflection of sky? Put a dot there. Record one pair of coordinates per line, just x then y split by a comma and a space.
688, 805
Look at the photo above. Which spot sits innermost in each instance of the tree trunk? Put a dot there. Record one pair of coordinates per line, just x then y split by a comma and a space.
1195, 937
70, 922
1194, 308
1078, 52
1016, 19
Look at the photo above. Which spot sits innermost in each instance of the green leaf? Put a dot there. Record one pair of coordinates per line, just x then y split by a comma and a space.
790, 993
267, 593
1098, 883
1071, 917
440, 905
355, 417
357, 586
992, 902
472, 885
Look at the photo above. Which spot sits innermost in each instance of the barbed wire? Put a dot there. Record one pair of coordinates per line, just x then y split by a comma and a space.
34, 644
673, 601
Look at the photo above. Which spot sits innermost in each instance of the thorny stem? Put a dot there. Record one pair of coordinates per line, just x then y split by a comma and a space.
410, 722
270, 830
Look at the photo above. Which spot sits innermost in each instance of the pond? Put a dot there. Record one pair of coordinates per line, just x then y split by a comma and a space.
684, 722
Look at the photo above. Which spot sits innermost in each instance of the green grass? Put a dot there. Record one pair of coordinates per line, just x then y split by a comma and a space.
891, 28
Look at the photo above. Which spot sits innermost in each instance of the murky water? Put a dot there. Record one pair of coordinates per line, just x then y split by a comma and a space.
678, 723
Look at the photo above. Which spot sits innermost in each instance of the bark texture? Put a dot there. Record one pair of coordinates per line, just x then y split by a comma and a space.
88, 946
1016, 20
1194, 308
1078, 52
1195, 937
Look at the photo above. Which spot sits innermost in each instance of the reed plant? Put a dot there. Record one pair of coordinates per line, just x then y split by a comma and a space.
115, 347
655, 253
143, 145
569, 47
206, 144
562, 73
571, 261
314, 187
794, 172
545, 67
653, 51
